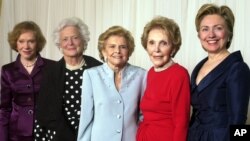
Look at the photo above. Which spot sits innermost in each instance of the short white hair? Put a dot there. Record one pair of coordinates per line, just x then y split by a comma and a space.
76, 22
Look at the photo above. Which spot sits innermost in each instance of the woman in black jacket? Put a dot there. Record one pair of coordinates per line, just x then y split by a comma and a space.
58, 104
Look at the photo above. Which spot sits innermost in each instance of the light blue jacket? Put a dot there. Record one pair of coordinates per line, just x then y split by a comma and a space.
108, 114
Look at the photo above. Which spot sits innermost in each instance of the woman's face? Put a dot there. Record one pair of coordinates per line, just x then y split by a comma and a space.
115, 51
71, 44
159, 47
213, 33
26, 45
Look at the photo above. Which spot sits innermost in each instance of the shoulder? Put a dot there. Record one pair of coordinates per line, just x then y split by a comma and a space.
9, 66
180, 71
54, 67
94, 74
239, 70
200, 64
48, 61
236, 63
179, 68
95, 69
132, 70
240, 66
91, 61
135, 68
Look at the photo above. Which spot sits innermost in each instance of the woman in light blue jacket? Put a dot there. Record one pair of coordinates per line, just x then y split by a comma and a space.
112, 91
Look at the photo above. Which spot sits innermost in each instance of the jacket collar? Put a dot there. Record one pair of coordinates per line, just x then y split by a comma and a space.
110, 73
215, 73
39, 63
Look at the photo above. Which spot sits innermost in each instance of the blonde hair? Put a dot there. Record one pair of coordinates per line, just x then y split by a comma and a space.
224, 11
119, 31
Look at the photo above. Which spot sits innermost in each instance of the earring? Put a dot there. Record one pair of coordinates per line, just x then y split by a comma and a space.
105, 59
61, 50
172, 54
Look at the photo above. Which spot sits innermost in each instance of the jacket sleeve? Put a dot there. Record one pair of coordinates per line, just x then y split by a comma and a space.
181, 107
143, 88
238, 93
46, 103
5, 105
87, 109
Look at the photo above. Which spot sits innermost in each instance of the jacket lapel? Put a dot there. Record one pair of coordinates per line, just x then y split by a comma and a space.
215, 73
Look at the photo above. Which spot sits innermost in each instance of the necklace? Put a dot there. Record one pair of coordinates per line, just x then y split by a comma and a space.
167, 65
78, 66
30, 65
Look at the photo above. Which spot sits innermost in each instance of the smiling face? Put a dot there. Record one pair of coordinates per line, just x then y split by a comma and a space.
213, 33
116, 51
71, 44
159, 47
26, 45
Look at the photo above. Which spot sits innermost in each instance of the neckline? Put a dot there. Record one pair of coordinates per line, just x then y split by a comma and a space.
29, 65
165, 67
75, 67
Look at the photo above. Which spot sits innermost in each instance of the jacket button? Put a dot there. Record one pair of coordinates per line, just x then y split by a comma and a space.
29, 99
118, 116
30, 112
28, 86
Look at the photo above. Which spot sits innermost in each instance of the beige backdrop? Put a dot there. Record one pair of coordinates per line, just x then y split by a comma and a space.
132, 14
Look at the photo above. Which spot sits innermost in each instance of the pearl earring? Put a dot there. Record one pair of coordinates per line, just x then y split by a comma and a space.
60, 49
105, 59
172, 54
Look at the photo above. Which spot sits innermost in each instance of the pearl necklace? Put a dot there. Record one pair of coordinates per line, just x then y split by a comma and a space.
75, 67
167, 65
31, 65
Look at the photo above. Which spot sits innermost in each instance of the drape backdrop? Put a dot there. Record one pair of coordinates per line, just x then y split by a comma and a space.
132, 14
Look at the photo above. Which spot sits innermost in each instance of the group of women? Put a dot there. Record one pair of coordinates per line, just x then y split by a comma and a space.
80, 98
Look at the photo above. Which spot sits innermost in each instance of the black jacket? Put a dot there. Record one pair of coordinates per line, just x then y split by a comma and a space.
49, 102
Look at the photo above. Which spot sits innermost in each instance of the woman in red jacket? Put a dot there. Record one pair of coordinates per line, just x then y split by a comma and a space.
166, 101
